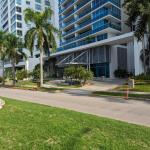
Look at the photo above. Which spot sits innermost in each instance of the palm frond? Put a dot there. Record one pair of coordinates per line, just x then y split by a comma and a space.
30, 39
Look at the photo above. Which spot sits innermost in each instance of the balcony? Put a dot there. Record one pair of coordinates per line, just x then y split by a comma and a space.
102, 2
89, 21
67, 6
104, 13
94, 6
69, 22
105, 26
68, 32
82, 4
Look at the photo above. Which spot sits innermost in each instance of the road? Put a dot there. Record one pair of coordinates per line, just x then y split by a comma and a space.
132, 111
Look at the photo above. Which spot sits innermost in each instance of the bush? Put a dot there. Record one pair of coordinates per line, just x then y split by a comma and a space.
88, 75
77, 74
143, 77
35, 74
1, 79
8, 73
21, 74
120, 73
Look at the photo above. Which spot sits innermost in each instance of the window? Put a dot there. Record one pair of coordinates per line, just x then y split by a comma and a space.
38, 1
38, 7
28, 2
19, 17
19, 25
19, 32
19, 2
18, 9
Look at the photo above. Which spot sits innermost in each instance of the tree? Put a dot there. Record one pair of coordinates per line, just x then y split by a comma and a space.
14, 52
2, 50
139, 16
78, 73
43, 33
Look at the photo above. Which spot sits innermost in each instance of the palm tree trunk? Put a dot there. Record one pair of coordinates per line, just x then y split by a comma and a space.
3, 72
41, 67
148, 40
13, 73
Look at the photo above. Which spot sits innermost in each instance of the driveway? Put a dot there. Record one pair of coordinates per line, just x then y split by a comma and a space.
131, 111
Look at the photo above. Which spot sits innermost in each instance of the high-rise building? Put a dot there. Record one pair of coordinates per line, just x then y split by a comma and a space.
12, 20
94, 34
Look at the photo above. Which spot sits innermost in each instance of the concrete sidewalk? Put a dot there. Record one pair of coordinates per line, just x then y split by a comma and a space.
131, 111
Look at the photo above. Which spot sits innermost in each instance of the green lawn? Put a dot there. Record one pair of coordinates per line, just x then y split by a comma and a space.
26, 84
140, 86
29, 85
27, 126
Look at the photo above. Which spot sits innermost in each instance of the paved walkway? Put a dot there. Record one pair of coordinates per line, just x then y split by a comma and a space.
132, 111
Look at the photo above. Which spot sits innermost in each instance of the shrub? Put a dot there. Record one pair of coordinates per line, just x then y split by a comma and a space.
88, 75
143, 76
35, 74
77, 74
8, 73
120, 73
1, 79
21, 74
70, 72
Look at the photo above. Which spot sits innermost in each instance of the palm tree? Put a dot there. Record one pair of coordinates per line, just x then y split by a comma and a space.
43, 33
2, 50
14, 52
139, 16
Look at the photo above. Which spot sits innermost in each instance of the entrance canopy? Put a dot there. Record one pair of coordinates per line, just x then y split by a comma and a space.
117, 40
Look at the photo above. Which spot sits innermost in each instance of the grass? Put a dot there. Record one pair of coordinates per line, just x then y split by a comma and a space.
140, 86
26, 84
25, 125
119, 94
29, 85
69, 86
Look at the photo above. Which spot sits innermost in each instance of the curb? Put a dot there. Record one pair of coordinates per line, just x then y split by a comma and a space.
122, 98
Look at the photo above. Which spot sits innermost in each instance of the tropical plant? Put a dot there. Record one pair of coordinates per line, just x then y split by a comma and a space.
2, 50
21, 74
139, 16
1, 79
35, 74
142, 76
78, 74
14, 52
87, 75
121, 73
43, 33
8, 73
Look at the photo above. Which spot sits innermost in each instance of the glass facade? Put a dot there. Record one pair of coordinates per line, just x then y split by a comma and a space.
12, 13
86, 21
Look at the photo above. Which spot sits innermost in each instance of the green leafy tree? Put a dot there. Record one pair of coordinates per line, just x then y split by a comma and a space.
43, 33
139, 16
79, 74
87, 75
21, 74
2, 51
14, 52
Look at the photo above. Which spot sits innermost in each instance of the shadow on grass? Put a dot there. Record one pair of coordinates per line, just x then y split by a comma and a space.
76, 138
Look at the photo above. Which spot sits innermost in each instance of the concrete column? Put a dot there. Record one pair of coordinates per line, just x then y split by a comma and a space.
27, 65
114, 61
138, 65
